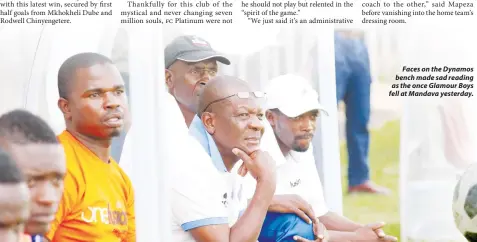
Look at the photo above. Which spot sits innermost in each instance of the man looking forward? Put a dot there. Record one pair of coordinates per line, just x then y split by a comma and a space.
98, 199
14, 200
34, 147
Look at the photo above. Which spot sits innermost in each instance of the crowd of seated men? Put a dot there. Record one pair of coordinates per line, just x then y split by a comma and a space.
242, 158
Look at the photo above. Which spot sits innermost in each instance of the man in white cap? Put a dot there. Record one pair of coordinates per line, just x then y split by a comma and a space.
293, 109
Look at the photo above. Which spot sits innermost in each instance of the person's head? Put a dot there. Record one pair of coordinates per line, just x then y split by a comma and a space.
231, 112
92, 96
14, 200
190, 63
293, 109
37, 152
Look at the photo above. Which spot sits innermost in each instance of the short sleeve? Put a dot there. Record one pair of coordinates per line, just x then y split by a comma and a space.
130, 211
198, 189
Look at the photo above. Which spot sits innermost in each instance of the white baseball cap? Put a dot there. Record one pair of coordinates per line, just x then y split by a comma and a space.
292, 95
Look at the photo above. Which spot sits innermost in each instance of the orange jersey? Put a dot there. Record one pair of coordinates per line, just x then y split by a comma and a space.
98, 199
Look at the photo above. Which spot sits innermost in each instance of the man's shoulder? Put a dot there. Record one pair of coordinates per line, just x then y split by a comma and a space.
125, 177
76, 155
195, 155
269, 144
194, 169
65, 137
69, 144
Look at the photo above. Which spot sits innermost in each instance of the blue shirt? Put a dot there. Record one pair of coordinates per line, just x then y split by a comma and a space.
198, 131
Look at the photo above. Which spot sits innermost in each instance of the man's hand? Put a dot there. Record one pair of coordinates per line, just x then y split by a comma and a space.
259, 163
292, 204
321, 234
373, 232
319, 229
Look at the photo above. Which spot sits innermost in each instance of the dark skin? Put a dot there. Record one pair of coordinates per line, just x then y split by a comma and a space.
239, 119
235, 126
186, 80
295, 134
96, 109
44, 167
14, 210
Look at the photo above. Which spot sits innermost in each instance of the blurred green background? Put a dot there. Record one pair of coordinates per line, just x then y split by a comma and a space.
384, 164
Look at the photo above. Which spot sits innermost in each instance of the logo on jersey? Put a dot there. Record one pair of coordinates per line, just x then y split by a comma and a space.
295, 183
225, 202
106, 215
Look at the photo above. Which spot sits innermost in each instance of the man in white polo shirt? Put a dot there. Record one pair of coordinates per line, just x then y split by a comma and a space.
200, 198
293, 109
229, 129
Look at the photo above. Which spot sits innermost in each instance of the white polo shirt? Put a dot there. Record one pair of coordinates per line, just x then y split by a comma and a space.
205, 193
201, 194
298, 176
172, 118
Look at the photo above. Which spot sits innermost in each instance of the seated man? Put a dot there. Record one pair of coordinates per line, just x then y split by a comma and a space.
14, 200
190, 63
293, 109
41, 158
98, 199
230, 129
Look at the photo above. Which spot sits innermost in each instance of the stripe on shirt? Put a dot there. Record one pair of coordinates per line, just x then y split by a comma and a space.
204, 222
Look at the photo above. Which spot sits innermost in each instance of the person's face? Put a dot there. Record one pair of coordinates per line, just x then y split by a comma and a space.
44, 167
186, 80
14, 211
238, 124
295, 133
97, 104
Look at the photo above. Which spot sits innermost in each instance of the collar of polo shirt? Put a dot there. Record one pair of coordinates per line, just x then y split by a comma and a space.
197, 130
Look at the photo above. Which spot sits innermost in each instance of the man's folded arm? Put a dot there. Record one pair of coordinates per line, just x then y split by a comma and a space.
246, 229
201, 213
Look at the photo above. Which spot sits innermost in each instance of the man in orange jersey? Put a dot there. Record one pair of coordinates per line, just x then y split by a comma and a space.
98, 198
41, 158
14, 200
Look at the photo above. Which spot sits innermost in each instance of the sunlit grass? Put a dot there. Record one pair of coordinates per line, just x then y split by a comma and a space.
384, 163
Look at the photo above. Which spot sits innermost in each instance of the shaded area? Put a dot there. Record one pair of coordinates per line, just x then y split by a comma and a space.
456, 191
118, 142
471, 237
470, 205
